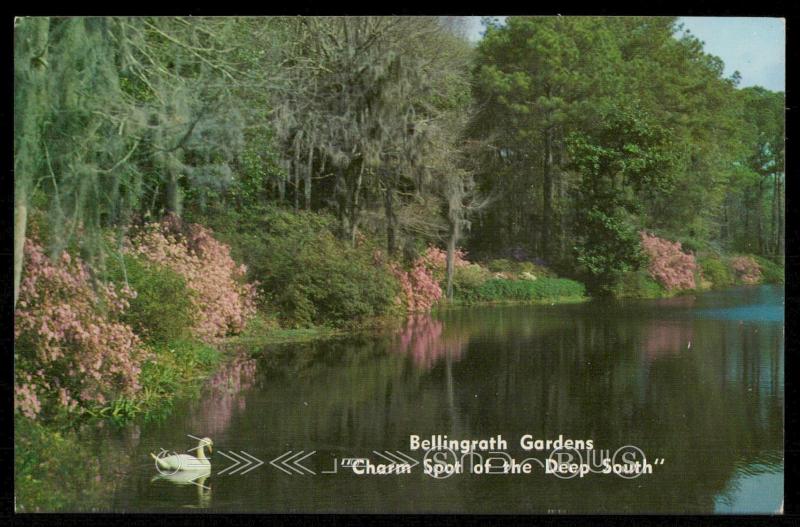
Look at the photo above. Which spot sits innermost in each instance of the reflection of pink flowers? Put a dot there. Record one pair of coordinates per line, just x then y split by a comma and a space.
422, 338
664, 338
225, 397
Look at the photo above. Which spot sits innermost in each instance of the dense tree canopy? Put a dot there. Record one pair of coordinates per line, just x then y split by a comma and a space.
554, 137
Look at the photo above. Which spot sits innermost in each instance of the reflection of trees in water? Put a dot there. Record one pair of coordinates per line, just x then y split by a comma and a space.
422, 338
588, 381
710, 411
704, 409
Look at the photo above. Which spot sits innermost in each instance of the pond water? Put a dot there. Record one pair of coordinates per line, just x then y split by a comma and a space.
695, 381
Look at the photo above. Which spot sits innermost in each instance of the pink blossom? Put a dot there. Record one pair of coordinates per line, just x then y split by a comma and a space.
747, 269
223, 299
420, 288
668, 264
76, 349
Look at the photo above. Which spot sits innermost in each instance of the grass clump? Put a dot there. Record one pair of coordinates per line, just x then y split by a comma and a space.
539, 290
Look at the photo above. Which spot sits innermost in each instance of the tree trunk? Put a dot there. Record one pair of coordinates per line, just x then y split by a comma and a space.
455, 229
342, 201
296, 170
355, 210
776, 192
307, 185
547, 193
170, 165
759, 210
30, 92
296, 187
20, 226
281, 183
174, 197
391, 221
173, 202
781, 221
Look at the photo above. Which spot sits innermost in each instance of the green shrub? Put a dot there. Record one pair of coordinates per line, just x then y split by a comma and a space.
305, 272
311, 277
693, 245
771, 273
162, 310
468, 278
716, 270
637, 284
501, 265
534, 269
543, 289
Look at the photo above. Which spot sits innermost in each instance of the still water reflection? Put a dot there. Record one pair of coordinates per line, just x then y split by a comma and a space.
696, 380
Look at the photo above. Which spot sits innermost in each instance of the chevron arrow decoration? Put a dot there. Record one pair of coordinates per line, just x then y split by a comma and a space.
289, 462
243, 462
397, 458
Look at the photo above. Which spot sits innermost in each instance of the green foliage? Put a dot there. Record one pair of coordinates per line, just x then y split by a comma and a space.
622, 161
118, 411
503, 265
637, 284
691, 244
610, 246
771, 273
330, 283
540, 290
307, 274
468, 278
716, 270
43, 461
177, 369
162, 310
500, 265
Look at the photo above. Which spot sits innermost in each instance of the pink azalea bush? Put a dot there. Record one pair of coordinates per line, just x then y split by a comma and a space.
420, 289
70, 348
747, 269
223, 299
435, 260
669, 265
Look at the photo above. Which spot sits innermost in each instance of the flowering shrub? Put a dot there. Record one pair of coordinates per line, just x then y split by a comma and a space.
222, 299
746, 269
669, 265
435, 260
420, 289
70, 348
